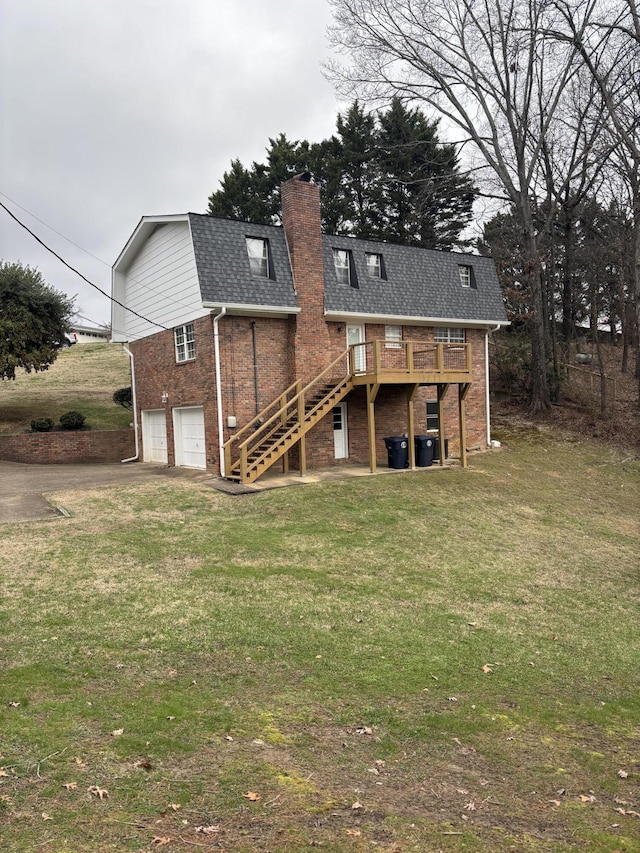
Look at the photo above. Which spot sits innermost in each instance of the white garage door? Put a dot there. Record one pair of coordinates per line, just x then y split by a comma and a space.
154, 436
188, 427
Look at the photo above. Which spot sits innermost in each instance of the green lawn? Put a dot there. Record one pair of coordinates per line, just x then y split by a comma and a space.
433, 661
83, 379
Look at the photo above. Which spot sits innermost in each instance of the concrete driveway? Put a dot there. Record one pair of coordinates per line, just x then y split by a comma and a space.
22, 486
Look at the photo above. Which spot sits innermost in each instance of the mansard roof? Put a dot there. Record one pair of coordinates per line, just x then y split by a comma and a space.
418, 285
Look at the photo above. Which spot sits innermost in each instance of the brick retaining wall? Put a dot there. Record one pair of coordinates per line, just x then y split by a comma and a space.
68, 447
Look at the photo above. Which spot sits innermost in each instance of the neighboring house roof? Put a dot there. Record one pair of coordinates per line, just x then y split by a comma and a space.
92, 330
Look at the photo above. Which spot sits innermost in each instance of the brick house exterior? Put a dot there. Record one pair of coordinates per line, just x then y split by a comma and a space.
263, 307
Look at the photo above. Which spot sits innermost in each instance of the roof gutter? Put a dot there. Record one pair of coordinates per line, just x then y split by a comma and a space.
135, 407
411, 320
216, 350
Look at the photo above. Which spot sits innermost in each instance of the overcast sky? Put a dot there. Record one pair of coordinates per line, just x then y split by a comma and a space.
114, 109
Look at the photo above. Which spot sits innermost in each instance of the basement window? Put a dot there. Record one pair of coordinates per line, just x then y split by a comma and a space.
258, 252
432, 415
446, 335
185, 342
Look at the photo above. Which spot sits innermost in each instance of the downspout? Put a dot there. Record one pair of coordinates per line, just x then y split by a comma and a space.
486, 380
135, 407
255, 366
216, 350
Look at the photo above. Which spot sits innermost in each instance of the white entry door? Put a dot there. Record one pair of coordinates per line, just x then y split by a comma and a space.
188, 429
154, 436
355, 335
340, 437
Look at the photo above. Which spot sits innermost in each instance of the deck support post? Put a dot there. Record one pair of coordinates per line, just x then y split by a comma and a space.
442, 393
303, 438
463, 390
372, 393
411, 425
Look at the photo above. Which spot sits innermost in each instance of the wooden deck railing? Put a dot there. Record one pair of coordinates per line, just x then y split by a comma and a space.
409, 357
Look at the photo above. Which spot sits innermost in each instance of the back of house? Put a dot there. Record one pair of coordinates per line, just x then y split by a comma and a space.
254, 345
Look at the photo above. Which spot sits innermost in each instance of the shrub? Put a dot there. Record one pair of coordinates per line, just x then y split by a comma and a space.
72, 420
122, 397
41, 424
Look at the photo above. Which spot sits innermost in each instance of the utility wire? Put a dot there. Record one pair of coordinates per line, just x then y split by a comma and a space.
77, 272
141, 284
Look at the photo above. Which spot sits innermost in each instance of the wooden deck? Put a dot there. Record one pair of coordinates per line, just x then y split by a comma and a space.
285, 422
409, 362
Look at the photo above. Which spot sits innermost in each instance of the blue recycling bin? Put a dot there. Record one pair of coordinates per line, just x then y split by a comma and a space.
397, 451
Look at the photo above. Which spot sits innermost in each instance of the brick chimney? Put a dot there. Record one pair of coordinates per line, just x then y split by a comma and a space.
302, 229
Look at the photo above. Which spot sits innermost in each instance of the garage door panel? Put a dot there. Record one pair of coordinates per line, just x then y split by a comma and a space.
154, 436
189, 435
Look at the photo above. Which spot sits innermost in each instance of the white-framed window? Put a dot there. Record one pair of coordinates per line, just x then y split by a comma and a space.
392, 337
374, 264
258, 252
464, 270
185, 341
447, 335
342, 263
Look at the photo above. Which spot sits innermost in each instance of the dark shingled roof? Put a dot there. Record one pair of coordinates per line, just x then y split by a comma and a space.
223, 264
420, 283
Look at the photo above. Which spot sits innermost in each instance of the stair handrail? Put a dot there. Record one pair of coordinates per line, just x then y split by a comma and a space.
259, 425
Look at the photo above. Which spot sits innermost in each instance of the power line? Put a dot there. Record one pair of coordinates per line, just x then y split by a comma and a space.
143, 285
59, 233
77, 272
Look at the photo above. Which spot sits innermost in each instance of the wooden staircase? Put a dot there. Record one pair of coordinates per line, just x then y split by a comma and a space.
286, 420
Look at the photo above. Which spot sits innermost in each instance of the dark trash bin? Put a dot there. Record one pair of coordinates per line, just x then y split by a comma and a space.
436, 449
425, 446
397, 451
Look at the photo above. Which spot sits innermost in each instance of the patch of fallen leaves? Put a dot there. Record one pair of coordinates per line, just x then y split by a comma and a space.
100, 793
253, 796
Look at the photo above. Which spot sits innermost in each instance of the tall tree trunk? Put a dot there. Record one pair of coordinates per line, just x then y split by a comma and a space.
568, 320
533, 275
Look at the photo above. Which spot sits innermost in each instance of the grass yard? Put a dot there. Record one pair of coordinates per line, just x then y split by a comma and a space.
438, 661
83, 379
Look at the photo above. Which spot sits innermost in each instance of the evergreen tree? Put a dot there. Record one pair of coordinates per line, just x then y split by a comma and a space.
385, 177
34, 319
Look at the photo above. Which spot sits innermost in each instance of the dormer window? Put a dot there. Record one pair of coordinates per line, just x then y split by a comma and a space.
258, 252
374, 265
464, 272
341, 262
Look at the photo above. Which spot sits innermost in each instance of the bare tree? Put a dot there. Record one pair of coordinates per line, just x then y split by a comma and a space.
489, 69
609, 47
